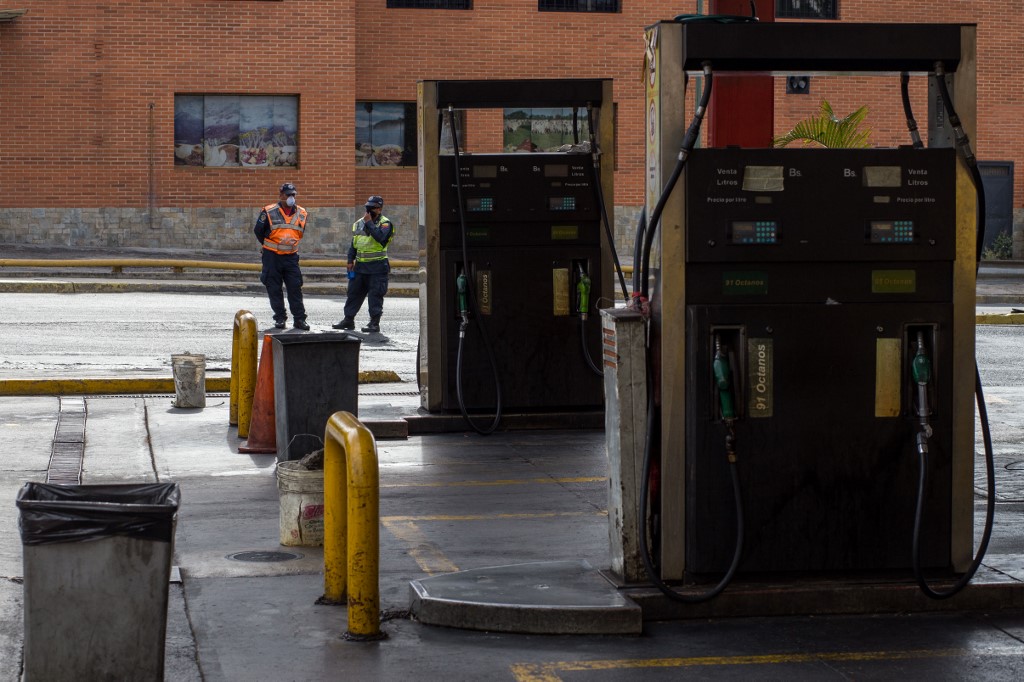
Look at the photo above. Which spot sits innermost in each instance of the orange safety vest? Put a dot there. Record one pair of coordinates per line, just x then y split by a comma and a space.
285, 231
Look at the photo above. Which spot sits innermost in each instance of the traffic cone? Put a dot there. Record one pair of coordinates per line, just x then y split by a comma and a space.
263, 427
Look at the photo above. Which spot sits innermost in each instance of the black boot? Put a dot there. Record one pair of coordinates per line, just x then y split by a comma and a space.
347, 323
301, 324
374, 325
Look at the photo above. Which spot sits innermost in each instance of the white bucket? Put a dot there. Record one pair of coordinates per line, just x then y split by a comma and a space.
302, 504
189, 379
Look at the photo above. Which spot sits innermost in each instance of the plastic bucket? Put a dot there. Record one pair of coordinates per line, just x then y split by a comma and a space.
302, 504
189, 379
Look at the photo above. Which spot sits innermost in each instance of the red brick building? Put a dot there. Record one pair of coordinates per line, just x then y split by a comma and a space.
167, 123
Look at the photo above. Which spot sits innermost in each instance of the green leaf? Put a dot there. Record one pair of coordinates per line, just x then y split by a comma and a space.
827, 130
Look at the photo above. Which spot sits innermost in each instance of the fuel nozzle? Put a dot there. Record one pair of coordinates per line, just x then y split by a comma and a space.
582, 293
462, 286
921, 371
723, 381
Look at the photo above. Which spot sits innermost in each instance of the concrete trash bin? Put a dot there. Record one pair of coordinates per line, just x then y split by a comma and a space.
97, 562
315, 375
189, 371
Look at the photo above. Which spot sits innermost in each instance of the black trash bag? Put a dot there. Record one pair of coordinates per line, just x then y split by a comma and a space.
78, 513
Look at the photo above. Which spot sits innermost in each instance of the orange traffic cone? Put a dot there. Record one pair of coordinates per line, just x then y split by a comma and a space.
262, 426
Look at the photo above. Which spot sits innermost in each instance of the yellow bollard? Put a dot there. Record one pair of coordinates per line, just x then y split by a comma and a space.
243, 371
352, 525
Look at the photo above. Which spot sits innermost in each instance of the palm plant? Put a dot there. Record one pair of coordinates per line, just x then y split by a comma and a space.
827, 130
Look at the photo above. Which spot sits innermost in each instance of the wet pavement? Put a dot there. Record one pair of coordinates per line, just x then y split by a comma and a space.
458, 501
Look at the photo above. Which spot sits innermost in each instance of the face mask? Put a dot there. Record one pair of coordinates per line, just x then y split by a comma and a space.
290, 201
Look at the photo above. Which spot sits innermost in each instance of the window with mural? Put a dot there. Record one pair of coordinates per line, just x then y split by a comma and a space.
544, 129
236, 130
385, 134
806, 9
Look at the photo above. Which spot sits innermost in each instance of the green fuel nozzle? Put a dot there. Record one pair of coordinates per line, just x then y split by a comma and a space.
462, 286
921, 370
583, 295
723, 380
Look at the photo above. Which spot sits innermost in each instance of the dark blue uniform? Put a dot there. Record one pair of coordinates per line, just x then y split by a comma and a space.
371, 279
280, 270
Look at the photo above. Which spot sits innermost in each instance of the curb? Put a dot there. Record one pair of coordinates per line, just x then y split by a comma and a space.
8, 286
134, 385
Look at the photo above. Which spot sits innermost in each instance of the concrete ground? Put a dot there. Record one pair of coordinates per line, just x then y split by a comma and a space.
452, 502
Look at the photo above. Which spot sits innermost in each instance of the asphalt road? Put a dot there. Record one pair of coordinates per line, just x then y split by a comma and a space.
135, 334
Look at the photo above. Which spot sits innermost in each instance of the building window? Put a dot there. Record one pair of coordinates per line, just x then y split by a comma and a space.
430, 4
806, 9
579, 5
544, 129
236, 130
385, 134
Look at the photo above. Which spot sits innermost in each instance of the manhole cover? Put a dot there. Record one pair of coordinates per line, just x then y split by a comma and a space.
264, 557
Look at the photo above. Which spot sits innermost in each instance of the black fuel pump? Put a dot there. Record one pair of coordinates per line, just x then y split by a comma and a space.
775, 258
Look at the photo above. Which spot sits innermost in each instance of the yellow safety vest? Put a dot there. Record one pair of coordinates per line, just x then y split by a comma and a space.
368, 249
285, 231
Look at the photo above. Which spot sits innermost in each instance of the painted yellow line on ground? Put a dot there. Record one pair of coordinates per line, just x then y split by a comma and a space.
427, 555
505, 481
126, 385
549, 672
1000, 318
9, 387
491, 517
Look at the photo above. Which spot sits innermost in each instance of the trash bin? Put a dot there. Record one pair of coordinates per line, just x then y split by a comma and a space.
315, 375
189, 379
97, 562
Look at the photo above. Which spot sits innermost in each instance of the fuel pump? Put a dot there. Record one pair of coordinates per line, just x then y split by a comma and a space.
521, 234
774, 278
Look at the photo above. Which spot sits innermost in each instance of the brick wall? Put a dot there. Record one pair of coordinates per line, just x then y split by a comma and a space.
88, 91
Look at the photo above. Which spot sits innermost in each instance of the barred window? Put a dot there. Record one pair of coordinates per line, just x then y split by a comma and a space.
430, 4
806, 9
579, 5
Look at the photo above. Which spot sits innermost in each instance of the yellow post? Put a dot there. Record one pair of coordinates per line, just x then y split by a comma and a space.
243, 371
352, 524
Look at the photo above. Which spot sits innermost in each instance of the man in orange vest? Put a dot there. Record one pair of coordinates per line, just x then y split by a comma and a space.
279, 229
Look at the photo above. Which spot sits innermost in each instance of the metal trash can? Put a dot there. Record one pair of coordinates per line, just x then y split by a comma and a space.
97, 562
315, 375
189, 370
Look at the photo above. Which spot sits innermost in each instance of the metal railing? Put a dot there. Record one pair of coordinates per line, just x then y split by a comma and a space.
352, 524
243, 371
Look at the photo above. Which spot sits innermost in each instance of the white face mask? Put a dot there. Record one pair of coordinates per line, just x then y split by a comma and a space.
290, 201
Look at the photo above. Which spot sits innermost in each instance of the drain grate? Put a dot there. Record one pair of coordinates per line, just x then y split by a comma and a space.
68, 447
263, 557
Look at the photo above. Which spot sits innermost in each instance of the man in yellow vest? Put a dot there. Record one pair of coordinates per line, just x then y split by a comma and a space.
368, 265
279, 229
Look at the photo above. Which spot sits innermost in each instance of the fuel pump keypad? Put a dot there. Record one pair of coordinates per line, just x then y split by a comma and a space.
754, 232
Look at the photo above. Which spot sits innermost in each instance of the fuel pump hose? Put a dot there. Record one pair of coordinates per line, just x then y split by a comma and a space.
595, 154
689, 141
649, 230
723, 381
922, 370
467, 303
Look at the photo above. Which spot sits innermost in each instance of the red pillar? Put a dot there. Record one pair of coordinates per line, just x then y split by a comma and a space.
742, 108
